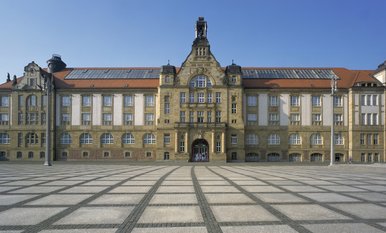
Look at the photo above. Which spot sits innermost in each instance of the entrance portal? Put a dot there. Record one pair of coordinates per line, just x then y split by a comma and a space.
200, 151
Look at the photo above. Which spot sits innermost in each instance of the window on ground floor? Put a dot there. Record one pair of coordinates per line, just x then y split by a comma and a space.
316, 157
273, 157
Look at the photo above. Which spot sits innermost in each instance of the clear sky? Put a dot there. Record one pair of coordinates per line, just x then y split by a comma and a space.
144, 33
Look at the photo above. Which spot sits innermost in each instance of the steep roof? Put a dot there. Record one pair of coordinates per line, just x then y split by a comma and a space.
253, 77
88, 81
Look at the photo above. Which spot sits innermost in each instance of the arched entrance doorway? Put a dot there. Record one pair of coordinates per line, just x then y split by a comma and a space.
200, 151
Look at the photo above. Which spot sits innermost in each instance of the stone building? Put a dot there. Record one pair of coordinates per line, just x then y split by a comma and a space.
199, 111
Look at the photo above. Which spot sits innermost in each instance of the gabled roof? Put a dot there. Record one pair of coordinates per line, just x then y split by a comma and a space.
253, 77
75, 78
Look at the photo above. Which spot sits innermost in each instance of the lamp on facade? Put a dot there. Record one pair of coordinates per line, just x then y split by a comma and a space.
333, 91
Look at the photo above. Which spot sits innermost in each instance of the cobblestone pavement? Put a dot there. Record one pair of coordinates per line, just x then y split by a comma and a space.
191, 198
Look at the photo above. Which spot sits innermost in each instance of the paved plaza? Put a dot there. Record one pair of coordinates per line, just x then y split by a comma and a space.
191, 198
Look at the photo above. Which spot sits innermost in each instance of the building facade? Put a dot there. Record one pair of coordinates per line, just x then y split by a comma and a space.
197, 112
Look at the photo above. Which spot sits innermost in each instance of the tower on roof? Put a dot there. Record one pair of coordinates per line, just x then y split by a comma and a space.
201, 28
201, 43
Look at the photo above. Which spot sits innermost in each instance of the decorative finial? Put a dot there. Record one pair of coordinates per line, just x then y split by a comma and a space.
233, 62
8, 78
168, 62
14, 81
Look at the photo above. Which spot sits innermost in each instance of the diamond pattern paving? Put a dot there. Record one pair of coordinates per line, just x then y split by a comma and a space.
191, 198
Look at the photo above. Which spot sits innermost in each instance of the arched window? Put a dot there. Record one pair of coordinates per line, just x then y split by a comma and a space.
252, 157
31, 101
200, 81
316, 157
85, 138
274, 139
316, 139
4, 138
149, 138
252, 139
65, 138
128, 138
294, 139
273, 157
32, 138
107, 138
295, 157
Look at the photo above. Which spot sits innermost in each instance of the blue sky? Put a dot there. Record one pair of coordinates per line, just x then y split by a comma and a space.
124, 33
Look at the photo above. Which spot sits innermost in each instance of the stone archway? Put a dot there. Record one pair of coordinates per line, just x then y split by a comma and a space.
200, 151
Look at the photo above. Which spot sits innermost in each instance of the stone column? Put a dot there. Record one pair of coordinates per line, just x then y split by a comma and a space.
222, 142
176, 142
212, 143
186, 142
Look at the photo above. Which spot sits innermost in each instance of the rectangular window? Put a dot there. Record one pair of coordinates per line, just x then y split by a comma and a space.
128, 101
362, 139
149, 100
209, 97
181, 145
273, 118
107, 118
166, 138
368, 137
4, 119
251, 119
182, 98
32, 118
209, 116
20, 101
107, 101
252, 101
201, 97
375, 139
44, 100
218, 146
191, 97
86, 118
295, 119
369, 118
86, 101
295, 101
338, 139
182, 116
191, 116
363, 118
66, 101
338, 119
233, 139
316, 119
363, 100
167, 105
218, 116
375, 100
200, 117
218, 97
316, 101
128, 118
20, 118
43, 118
149, 118
66, 118
368, 100
4, 101
273, 101
234, 108
375, 119
127, 154
338, 101
19, 139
